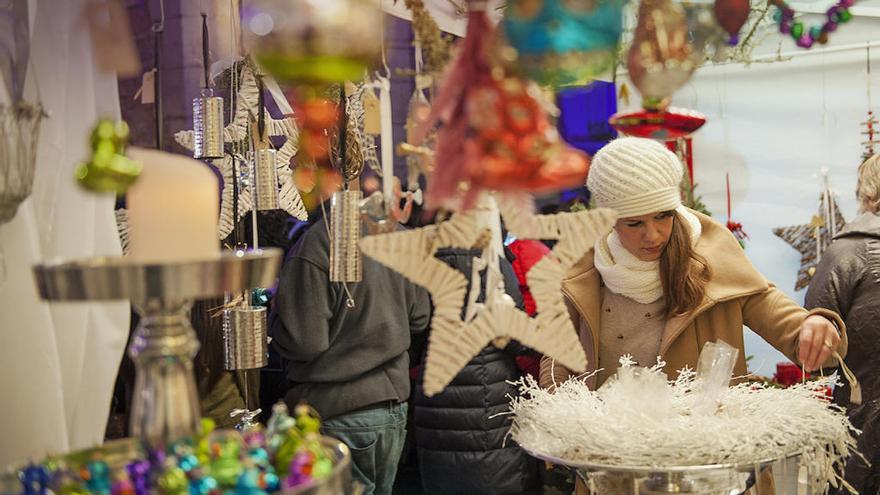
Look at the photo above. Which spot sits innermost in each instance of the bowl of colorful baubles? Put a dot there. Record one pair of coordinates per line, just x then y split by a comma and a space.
287, 456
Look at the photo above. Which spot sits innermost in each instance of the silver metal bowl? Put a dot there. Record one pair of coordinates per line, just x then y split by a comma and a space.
707, 479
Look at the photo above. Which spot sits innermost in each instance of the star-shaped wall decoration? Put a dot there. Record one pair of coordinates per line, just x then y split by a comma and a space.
453, 342
813, 238
247, 101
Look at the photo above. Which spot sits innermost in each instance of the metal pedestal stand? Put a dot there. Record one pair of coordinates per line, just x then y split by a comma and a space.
165, 404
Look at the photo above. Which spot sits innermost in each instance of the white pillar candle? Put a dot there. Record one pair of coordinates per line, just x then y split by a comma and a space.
173, 209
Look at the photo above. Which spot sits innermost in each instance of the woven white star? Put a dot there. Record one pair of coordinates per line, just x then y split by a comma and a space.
453, 342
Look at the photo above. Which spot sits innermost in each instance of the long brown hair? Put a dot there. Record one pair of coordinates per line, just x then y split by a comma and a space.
683, 272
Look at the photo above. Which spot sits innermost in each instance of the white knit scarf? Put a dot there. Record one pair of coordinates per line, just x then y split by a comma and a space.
623, 273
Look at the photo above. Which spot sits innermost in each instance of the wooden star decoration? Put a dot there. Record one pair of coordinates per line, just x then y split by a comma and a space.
246, 103
454, 342
813, 238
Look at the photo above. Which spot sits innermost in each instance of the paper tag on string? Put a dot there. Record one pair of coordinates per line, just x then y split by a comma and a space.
424, 81
112, 41
372, 114
147, 92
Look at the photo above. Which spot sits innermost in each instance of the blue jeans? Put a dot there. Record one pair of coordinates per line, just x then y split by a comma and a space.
375, 437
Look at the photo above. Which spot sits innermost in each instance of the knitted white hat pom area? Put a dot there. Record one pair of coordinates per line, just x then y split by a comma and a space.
635, 176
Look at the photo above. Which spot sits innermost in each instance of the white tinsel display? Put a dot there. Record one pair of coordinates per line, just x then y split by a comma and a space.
639, 419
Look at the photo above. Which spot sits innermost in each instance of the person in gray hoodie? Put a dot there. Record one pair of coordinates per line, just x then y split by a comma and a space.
847, 281
349, 362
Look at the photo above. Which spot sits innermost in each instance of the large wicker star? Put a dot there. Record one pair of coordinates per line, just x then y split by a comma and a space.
813, 238
246, 105
453, 342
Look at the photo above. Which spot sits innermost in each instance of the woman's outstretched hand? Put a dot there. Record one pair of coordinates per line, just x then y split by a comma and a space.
818, 341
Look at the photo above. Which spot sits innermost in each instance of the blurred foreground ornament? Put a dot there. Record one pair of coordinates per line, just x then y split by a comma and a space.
661, 58
731, 15
708, 38
495, 132
564, 43
108, 169
19, 132
313, 43
664, 125
207, 111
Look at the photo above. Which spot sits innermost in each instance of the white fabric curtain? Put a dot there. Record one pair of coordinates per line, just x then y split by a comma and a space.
58, 362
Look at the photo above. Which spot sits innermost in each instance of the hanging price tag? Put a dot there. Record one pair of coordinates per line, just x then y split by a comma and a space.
147, 92
372, 114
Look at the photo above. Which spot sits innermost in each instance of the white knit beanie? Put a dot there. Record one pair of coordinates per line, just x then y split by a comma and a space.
635, 176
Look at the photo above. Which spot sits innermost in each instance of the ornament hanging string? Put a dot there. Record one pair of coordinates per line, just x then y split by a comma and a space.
157, 29
868, 71
735, 227
205, 49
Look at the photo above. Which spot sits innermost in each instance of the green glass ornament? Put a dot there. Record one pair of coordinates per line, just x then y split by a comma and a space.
108, 169
797, 30
226, 467
844, 16
173, 482
322, 468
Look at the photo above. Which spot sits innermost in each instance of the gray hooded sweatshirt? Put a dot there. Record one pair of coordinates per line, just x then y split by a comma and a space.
341, 359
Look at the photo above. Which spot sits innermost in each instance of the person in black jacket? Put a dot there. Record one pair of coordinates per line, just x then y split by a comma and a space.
460, 436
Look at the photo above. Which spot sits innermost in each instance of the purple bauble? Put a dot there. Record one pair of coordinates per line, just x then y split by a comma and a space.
785, 26
829, 27
805, 41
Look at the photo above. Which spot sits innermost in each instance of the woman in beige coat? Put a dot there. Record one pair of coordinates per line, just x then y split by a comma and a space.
666, 280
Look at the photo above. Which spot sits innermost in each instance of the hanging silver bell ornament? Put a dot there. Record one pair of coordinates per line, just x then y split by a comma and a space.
266, 178
345, 233
208, 125
245, 344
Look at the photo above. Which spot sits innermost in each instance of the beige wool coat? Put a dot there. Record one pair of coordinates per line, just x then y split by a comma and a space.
736, 295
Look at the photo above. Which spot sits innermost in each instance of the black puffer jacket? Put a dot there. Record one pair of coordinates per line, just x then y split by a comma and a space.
847, 281
460, 441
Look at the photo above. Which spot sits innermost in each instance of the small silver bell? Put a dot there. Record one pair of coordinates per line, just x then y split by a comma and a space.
245, 344
208, 125
345, 233
266, 178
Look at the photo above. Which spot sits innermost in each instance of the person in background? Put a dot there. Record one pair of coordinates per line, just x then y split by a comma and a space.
349, 361
460, 432
847, 280
523, 254
666, 280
